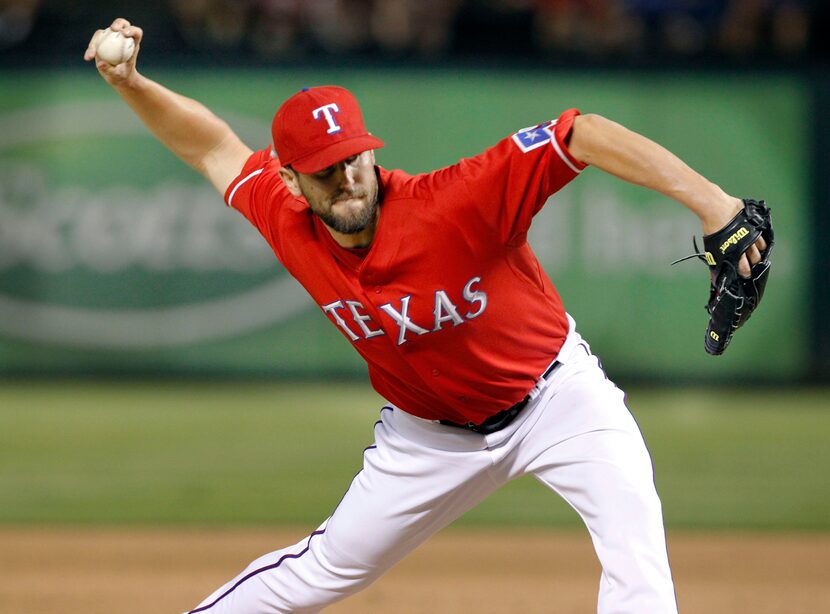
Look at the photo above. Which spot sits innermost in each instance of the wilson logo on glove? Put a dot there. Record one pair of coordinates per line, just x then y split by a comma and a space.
733, 240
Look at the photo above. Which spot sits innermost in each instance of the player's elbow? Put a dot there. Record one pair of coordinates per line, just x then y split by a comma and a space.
224, 162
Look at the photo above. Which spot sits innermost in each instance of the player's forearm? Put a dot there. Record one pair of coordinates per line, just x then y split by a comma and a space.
183, 125
634, 158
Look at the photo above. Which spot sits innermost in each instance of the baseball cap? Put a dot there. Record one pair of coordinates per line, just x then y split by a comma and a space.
318, 127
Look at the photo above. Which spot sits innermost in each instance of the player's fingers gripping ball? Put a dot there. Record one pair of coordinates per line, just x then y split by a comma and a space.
733, 298
113, 47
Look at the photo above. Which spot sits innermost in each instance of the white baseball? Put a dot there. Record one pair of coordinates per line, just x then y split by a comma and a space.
114, 48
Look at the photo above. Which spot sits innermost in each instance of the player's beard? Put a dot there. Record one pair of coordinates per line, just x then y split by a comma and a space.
349, 222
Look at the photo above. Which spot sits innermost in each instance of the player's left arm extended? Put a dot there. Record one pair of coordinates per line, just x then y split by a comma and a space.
738, 236
632, 157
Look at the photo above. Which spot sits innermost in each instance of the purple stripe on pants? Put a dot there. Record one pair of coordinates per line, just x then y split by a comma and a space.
258, 571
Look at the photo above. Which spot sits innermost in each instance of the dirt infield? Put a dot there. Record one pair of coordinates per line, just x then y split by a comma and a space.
92, 571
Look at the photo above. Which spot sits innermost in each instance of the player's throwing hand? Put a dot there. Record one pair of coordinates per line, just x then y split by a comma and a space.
123, 72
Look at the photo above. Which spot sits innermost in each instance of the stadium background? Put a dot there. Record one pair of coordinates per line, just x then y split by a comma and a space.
159, 369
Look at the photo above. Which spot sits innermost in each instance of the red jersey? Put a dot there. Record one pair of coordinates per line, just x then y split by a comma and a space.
448, 306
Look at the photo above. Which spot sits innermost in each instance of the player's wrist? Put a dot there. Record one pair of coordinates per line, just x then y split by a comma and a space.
719, 212
131, 83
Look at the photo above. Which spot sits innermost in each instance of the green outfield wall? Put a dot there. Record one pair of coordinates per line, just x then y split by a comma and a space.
116, 258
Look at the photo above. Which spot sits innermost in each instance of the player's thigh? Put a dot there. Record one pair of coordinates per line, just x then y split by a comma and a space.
606, 475
587, 445
406, 491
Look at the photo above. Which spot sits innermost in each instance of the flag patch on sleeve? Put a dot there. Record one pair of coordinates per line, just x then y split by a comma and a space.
535, 136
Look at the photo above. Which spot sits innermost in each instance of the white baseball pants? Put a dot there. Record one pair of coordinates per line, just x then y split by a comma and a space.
576, 437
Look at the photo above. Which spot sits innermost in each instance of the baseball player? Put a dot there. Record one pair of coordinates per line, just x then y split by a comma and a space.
431, 279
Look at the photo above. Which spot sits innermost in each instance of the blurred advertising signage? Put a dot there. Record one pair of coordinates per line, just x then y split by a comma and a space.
107, 241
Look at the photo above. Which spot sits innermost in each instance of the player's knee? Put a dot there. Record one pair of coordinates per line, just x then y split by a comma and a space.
634, 509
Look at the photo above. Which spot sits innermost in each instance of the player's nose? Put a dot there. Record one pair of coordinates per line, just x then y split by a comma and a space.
347, 178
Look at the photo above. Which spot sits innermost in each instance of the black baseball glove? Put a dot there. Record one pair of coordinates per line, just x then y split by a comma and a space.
733, 298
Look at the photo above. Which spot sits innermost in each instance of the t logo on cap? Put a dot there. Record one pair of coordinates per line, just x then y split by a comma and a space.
327, 110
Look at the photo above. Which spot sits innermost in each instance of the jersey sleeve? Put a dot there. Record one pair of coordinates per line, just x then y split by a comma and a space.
256, 184
258, 192
510, 182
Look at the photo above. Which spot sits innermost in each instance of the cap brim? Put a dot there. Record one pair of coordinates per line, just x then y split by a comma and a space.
335, 152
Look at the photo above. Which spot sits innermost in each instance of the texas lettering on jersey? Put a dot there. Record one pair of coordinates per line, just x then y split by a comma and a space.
444, 311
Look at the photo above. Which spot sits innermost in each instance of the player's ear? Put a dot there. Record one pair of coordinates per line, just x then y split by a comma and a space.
291, 180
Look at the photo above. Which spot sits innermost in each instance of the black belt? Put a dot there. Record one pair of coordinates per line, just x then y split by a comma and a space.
501, 419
